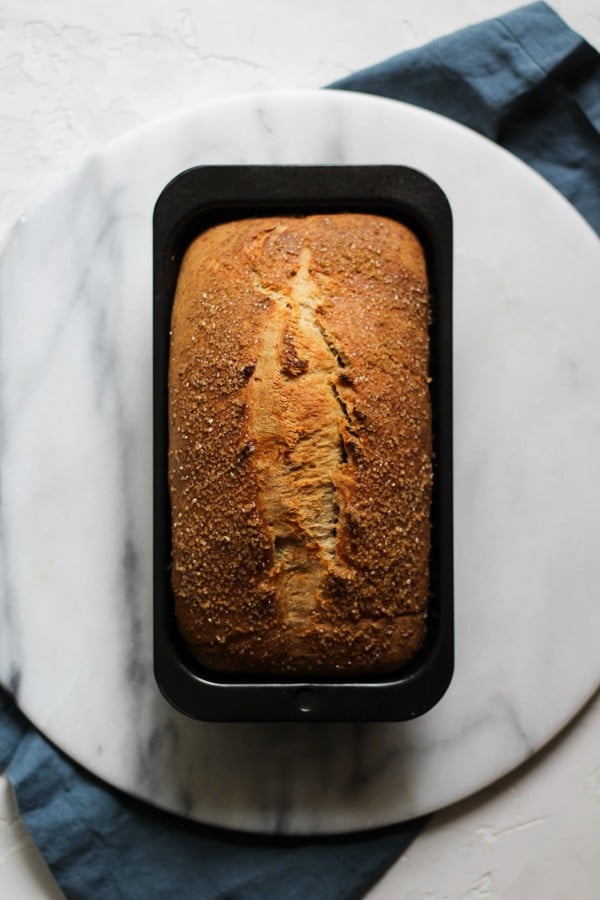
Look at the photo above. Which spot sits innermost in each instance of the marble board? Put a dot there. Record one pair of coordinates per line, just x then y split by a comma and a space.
75, 457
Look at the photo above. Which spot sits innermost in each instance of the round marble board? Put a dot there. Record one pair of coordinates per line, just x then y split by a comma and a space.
76, 620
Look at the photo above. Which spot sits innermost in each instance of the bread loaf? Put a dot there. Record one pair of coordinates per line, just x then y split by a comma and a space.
300, 446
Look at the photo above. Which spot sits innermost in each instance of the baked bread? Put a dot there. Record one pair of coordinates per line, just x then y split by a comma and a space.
300, 446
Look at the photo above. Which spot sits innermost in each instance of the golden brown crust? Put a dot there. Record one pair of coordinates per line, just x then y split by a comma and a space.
300, 446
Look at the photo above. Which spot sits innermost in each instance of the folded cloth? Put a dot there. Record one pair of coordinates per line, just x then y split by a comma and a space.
101, 844
525, 80
529, 82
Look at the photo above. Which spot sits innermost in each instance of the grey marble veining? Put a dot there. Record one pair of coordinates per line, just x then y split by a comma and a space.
75, 457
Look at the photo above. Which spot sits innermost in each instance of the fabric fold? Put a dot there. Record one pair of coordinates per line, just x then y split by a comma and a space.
103, 844
525, 80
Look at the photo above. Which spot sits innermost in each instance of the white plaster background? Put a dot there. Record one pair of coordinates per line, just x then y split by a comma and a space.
74, 75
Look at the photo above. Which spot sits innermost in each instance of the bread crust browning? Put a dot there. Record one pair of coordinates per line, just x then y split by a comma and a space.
300, 446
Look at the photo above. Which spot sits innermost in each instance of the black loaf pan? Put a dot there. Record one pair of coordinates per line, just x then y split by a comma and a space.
192, 202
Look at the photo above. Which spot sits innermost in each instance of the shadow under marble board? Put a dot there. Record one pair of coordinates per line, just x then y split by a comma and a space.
76, 459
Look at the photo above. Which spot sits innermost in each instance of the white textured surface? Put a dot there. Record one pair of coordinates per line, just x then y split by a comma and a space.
76, 74
533, 836
23, 872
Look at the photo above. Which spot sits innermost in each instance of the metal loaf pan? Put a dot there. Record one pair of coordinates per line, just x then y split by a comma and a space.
192, 202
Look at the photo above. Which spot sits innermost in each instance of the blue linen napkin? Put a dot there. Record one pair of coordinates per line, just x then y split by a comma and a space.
524, 80
530, 83
103, 845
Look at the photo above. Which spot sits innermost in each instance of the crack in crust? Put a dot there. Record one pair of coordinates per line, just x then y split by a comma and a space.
297, 429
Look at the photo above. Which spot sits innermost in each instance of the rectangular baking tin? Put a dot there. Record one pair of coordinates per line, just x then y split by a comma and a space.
192, 202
